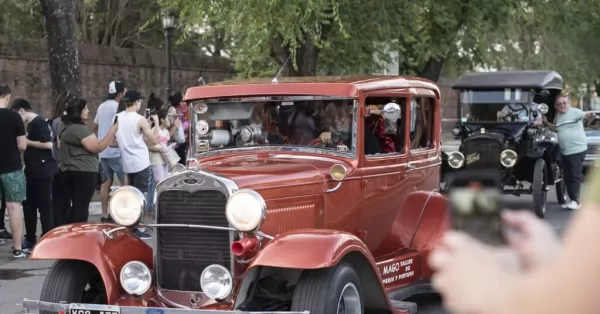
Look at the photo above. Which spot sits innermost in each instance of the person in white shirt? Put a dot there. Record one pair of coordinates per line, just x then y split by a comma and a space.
110, 158
133, 138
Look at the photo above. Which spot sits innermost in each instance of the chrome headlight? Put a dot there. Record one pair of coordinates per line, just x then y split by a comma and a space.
126, 206
245, 210
456, 159
135, 278
178, 168
216, 282
508, 158
531, 132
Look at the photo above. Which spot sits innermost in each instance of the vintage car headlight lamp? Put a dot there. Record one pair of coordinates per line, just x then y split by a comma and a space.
532, 132
135, 278
456, 159
508, 158
216, 282
126, 206
456, 131
246, 210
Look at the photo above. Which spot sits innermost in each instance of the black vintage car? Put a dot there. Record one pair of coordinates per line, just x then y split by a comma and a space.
502, 135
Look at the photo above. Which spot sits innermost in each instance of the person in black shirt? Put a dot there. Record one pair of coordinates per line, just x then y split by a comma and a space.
12, 179
40, 167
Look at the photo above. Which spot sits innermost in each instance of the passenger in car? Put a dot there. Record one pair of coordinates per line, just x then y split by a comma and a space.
375, 123
263, 115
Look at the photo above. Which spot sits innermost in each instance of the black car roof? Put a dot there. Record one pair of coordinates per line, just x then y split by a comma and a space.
510, 79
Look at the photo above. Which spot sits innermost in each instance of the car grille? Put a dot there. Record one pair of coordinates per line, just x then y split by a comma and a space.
489, 154
183, 253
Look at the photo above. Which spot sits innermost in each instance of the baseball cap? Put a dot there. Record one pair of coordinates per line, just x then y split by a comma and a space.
132, 95
114, 88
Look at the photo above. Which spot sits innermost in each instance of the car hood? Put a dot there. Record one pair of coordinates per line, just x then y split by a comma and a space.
514, 129
304, 175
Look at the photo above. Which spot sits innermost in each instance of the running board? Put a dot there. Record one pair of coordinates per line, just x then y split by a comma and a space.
409, 307
397, 297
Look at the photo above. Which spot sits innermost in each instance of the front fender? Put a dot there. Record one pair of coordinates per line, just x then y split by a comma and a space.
310, 249
87, 242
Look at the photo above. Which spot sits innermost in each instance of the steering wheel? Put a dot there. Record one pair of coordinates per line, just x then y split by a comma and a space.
335, 140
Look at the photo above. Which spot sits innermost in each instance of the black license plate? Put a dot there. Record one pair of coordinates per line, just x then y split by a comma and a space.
75, 308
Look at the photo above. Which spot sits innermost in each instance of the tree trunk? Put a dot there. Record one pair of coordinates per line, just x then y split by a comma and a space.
62, 46
306, 57
432, 69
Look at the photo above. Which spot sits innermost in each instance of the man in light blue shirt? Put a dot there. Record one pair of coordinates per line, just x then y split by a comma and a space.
573, 145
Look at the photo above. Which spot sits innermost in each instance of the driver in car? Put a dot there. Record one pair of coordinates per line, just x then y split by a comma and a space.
519, 112
338, 116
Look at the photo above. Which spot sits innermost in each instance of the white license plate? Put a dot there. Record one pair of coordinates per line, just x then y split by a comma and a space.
75, 308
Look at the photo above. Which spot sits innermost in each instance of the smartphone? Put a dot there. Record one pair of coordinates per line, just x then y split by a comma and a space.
475, 205
147, 113
115, 119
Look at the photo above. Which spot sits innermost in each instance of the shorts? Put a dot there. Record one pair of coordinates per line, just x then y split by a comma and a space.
140, 180
110, 167
12, 186
160, 172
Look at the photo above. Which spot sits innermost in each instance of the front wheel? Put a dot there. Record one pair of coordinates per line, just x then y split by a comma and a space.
73, 281
538, 187
329, 290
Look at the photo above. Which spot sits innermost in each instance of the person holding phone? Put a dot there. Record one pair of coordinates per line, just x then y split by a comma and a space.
134, 138
110, 158
79, 148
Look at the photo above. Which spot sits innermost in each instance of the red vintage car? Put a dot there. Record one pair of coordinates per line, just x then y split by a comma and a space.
307, 195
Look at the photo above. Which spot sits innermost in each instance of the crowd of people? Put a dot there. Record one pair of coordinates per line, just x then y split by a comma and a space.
62, 157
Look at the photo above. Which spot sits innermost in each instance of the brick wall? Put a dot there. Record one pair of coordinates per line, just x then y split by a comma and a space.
24, 67
449, 103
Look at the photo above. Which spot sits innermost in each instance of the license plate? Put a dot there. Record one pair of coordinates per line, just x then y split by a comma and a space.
75, 308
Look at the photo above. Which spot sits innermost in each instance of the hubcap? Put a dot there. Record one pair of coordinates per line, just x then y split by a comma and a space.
349, 302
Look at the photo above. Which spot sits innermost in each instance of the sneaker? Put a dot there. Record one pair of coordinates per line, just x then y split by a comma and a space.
573, 205
18, 253
107, 220
5, 234
27, 246
142, 235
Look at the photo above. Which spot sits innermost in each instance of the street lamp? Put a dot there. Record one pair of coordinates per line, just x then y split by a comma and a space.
169, 22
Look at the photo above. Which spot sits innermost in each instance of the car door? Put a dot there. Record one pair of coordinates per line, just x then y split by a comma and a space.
383, 174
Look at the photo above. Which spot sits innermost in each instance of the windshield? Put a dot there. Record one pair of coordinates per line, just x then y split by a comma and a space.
288, 123
509, 105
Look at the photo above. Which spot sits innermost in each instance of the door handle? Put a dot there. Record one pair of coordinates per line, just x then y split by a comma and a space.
410, 167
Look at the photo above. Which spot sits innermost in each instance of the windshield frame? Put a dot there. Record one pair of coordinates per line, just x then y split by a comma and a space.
518, 96
193, 137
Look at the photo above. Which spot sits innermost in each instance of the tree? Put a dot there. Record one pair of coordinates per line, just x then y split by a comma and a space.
62, 44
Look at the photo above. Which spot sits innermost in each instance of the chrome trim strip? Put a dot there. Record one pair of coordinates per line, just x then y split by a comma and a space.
109, 232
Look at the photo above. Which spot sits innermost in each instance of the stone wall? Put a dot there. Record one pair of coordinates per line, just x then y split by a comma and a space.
24, 67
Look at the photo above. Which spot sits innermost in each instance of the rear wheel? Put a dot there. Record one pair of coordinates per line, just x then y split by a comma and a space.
538, 187
73, 281
333, 290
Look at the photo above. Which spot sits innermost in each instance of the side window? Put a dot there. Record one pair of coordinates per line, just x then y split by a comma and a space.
422, 123
383, 135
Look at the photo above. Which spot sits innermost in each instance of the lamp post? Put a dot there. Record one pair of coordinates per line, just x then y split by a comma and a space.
169, 22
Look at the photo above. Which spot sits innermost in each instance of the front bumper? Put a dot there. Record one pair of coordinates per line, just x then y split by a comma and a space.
29, 305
